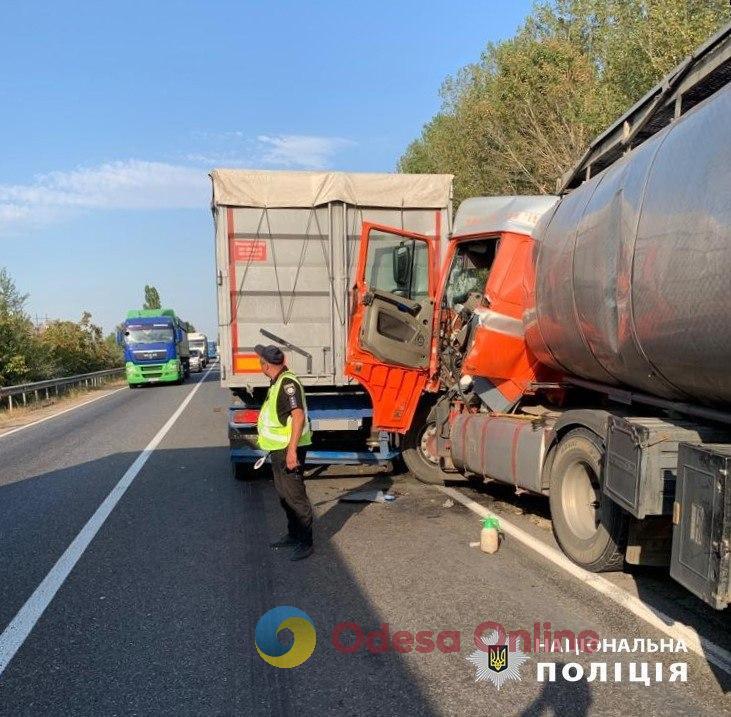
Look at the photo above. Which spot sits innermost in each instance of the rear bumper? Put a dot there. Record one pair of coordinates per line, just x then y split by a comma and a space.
153, 372
339, 434
314, 457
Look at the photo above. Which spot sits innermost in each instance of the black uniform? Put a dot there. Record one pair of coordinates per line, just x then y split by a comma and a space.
290, 485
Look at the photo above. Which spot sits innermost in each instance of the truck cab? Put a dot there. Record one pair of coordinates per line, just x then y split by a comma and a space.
199, 342
155, 347
413, 333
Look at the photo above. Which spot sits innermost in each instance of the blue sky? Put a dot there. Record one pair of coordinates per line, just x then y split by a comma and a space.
113, 113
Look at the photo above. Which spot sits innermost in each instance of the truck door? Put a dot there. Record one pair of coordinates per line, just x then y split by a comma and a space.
390, 344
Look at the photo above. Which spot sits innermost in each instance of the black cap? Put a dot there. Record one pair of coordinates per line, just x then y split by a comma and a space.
271, 354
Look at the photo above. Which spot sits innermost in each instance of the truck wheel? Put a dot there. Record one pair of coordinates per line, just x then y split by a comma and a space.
590, 528
419, 449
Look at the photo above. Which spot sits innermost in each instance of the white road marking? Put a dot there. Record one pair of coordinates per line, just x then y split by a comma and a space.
16, 633
658, 619
60, 413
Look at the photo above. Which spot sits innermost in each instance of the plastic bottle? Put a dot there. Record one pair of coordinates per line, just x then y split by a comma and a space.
489, 537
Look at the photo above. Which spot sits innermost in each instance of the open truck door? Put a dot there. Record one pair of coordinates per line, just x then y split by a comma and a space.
390, 344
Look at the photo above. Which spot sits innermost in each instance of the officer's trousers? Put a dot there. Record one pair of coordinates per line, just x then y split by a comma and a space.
290, 487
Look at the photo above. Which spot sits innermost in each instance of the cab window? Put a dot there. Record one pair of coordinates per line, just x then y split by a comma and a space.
397, 265
469, 271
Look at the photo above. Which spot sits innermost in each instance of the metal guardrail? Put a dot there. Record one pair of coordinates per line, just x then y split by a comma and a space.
95, 378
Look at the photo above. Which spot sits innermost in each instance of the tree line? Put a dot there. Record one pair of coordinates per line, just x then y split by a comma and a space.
521, 116
51, 350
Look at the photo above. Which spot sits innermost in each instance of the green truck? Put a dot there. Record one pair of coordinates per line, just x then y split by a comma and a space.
155, 343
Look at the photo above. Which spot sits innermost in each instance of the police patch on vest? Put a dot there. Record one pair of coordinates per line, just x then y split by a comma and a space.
289, 389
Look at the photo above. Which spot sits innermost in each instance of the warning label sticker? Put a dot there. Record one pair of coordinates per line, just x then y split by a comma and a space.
250, 250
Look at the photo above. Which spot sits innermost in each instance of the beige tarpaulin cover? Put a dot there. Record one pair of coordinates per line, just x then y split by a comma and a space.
252, 188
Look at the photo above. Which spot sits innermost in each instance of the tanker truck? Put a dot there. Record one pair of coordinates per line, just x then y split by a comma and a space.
579, 346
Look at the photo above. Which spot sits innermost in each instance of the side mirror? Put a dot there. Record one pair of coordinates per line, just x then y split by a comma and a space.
402, 259
178, 336
120, 338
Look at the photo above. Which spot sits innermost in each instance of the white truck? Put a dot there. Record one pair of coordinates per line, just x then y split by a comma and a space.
200, 342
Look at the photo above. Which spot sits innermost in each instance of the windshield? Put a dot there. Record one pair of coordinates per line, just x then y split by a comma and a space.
148, 335
469, 271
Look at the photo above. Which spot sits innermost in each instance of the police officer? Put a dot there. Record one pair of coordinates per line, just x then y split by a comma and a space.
284, 430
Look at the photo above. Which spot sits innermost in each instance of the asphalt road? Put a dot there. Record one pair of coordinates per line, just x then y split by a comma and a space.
158, 614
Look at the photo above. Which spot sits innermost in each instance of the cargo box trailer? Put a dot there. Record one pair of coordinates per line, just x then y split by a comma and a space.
286, 249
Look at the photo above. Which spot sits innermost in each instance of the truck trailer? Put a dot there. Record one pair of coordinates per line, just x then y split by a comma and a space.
579, 346
155, 347
286, 249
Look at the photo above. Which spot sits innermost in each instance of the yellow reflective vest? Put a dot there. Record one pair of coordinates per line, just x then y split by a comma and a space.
272, 435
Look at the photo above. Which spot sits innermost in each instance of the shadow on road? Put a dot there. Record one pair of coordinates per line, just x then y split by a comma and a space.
568, 699
158, 616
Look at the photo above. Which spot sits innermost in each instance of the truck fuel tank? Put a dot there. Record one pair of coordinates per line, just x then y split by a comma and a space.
504, 448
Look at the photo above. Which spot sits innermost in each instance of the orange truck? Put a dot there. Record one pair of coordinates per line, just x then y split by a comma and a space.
579, 346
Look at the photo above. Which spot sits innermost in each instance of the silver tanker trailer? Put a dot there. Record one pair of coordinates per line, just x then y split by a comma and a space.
632, 308
633, 302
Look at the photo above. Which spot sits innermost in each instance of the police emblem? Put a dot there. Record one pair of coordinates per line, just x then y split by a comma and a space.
289, 389
495, 662
497, 657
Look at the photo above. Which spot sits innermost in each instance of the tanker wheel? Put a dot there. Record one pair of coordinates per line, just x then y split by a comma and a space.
420, 449
590, 528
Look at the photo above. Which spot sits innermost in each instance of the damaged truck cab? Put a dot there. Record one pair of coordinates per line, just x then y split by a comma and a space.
426, 341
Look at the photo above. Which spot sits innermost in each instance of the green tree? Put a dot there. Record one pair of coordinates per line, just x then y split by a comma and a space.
59, 348
114, 350
516, 120
152, 298
11, 300
77, 347
21, 356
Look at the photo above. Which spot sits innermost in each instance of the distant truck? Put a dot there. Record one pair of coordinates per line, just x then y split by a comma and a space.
155, 346
200, 342
212, 351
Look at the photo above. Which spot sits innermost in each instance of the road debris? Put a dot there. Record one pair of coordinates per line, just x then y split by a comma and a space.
367, 496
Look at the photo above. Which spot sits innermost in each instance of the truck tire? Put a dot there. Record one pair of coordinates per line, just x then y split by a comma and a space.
590, 528
419, 452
